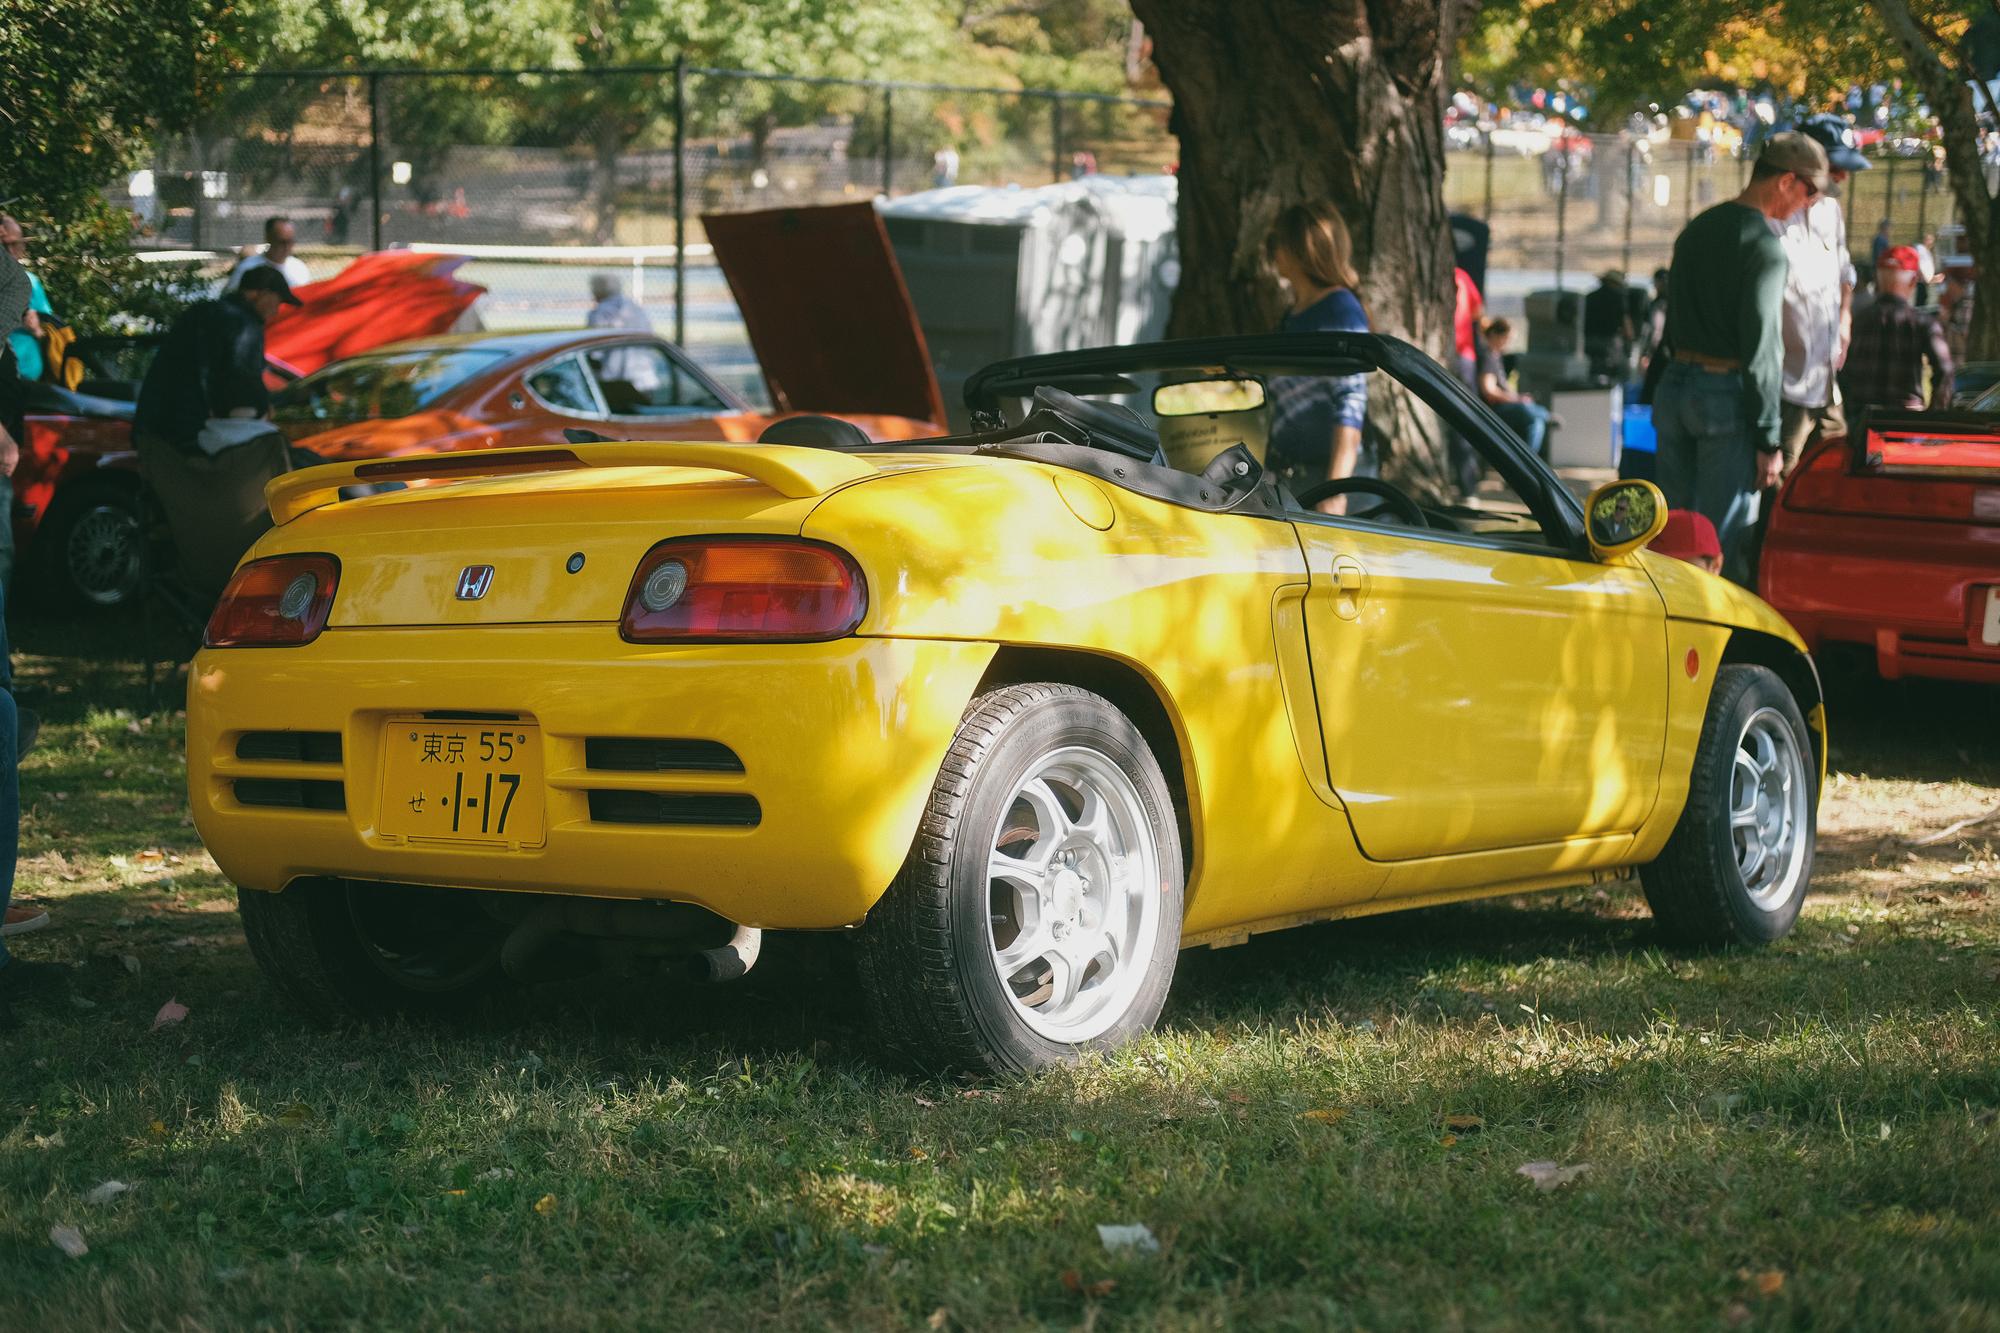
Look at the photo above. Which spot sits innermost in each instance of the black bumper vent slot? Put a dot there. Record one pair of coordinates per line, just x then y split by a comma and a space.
291, 793
645, 754
294, 747
700, 809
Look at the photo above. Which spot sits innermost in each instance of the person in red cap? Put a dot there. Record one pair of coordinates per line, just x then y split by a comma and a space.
1691, 537
1892, 341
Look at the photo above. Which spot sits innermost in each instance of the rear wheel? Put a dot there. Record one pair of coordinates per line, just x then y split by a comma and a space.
1038, 915
341, 949
1735, 870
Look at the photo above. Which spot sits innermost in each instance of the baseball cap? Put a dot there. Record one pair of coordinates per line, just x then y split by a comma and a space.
1687, 535
1902, 257
267, 278
1836, 136
1794, 152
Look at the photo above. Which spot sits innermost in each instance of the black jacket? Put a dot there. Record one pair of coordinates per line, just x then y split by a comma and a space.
211, 364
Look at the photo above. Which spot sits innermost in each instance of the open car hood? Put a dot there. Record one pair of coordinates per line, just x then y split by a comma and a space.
826, 309
380, 298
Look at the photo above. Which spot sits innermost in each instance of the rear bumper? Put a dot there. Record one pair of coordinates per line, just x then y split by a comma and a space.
839, 745
1913, 593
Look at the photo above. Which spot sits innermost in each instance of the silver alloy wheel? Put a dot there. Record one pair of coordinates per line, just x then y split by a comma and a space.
103, 553
1767, 809
1073, 892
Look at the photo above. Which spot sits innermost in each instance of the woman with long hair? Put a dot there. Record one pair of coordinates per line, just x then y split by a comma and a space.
1317, 419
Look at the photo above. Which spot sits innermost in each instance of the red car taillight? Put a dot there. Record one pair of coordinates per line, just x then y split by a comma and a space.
767, 590
1826, 482
275, 603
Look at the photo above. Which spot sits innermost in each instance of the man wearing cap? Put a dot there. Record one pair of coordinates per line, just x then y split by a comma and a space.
1892, 341
210, 366
1717, 407
1819, 297
202, 426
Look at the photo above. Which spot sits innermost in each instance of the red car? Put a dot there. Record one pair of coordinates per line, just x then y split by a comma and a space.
1890, 539
76, 489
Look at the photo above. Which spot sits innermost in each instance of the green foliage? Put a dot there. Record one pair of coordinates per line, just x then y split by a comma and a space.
90, 82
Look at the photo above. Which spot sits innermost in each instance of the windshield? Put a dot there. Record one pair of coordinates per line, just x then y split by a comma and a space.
393, 384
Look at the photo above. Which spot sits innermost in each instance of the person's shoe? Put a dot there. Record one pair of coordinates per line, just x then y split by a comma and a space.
22, 919
23, 980
27, 729
1555, 422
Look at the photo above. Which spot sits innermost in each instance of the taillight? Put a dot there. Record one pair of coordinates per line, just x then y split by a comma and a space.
768, 590
279, 602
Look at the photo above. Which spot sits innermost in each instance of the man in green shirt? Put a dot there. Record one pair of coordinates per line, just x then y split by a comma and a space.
1716, 410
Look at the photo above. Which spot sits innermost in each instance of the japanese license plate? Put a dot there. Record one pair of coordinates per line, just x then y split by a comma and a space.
462, 781
1989, 624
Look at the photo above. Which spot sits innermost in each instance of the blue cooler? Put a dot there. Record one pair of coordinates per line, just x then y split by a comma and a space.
1637, 443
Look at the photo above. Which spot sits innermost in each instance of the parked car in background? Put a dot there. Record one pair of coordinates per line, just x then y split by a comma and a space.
493, 390
1889, 540
1027, 709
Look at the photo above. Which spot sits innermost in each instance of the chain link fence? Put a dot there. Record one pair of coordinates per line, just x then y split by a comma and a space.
546, 177
1564, 206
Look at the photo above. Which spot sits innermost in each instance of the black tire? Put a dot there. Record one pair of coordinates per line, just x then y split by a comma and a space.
344, 950
1697, 888
927, 953
89, 550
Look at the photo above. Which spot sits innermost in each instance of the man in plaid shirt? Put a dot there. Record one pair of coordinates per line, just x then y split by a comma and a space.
1893, 339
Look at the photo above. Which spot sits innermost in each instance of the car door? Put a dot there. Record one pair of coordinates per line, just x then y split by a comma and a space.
1483, 688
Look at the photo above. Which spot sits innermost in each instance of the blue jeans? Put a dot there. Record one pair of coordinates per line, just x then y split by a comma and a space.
1707, 461
1530, 421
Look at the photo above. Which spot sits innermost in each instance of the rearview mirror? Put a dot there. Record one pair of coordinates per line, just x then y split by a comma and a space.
1199, 398
1623, 516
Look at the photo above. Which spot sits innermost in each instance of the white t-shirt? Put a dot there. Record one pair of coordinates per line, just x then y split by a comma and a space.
295, 270
1815, 241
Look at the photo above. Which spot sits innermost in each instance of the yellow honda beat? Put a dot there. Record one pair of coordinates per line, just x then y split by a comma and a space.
1027, 710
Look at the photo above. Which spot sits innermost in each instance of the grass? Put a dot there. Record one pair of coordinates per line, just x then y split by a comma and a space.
1326, 1132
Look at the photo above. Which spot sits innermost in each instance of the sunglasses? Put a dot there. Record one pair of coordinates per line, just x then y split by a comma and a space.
1812, 191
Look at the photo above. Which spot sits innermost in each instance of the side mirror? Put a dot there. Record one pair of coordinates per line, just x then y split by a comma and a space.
1197, 398
1623, 516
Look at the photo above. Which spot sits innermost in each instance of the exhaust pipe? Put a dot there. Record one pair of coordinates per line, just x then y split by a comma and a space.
730, 961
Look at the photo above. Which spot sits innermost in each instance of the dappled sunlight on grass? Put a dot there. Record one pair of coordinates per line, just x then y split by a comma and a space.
1326, 1130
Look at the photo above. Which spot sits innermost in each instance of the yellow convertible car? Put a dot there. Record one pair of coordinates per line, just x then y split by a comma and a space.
1026, 710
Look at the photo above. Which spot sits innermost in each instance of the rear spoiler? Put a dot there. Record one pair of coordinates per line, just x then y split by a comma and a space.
1955, 446
793, 472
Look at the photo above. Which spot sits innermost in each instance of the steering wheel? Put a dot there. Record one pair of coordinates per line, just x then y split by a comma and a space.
1405, 508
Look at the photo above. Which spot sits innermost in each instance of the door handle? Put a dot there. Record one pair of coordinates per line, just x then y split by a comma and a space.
1350, 587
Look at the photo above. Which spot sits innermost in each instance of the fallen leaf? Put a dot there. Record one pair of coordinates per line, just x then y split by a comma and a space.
939, 1317
69, 1240
1135, 1236
1551, 1175
150, 856
454, 1194
131, 962
1883, 1132
926, 1103
1073, 1282
1330, 1115
546, 1204
1770, 1283
106, 1192
172, 1012
295, 1114
158, 1129
46, 1141
1736, 1314
1464, 1124
1449, 1140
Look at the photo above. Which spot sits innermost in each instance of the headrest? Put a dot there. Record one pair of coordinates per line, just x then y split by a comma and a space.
815, 432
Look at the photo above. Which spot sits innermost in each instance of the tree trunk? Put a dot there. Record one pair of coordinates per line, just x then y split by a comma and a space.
610, 142
1946, 89
1281, 101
